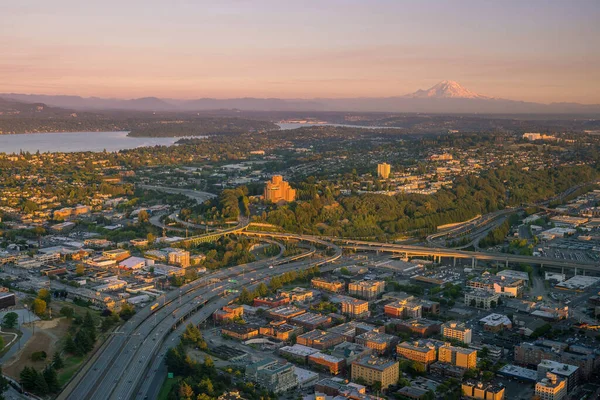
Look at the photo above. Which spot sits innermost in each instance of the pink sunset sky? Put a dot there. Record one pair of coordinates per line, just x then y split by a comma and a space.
543, 51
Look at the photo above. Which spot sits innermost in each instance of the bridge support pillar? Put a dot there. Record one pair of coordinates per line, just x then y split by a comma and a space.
507, 263
455, 261
473, 262
575, 271
563, 270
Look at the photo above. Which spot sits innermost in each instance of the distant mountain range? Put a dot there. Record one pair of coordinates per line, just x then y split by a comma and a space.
445, 97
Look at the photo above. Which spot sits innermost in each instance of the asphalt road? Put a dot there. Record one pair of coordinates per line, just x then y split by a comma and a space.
116, 371
112, 357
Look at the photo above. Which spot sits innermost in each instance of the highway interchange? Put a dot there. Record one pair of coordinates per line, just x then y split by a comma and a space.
116, 371
130, 364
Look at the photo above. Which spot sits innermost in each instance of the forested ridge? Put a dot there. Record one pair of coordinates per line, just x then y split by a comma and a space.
327, 212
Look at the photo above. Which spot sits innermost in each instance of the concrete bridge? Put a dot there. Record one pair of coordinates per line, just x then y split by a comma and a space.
399, 249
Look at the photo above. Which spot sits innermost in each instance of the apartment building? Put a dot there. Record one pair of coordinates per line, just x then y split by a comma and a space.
180, 258
384, 170
365, 289
458, 356
328, 285
403, 309
457, 331
552, 387
423, 351
379, 342
472, 389
481, 299
372, 369
355, 308
277, 190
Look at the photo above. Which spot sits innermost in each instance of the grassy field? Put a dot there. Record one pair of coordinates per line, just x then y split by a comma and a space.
56, 305
166, 387
72, 364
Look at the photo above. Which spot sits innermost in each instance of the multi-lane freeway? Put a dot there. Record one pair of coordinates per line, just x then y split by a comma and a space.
116, 371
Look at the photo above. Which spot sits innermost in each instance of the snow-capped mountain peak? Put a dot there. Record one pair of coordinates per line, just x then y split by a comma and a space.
447, 90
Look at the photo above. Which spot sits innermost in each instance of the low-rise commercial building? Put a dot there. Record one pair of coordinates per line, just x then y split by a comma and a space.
228, 313
297, 353
350, 351
351, 329
270, 302
403, 309
319, 339
496, 323
418, 326
284, 313
240, 332
280, 330
272, 375
310, 321
333, 365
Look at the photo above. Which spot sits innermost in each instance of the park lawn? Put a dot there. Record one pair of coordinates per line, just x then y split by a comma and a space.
166, 387
72, 364
79, 310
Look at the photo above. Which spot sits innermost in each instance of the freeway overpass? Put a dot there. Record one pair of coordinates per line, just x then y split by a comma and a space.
439, 253
410, 250
116, 370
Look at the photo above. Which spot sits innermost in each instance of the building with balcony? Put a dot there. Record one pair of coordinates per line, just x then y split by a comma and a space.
458, 356
328, 285
422, 351
481, 299
371, 369
355, 308
457, 331
368, 290
179, 257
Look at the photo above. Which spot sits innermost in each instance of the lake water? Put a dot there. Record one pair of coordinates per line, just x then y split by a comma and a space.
77, 141
69, 142
287, 125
